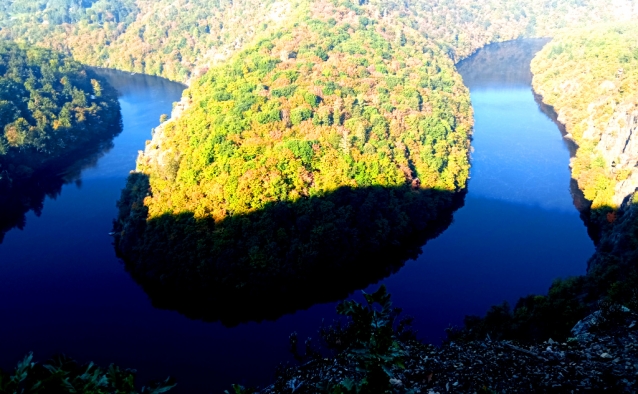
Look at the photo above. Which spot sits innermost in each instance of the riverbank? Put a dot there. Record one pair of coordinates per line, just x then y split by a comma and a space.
598, 116
463, 269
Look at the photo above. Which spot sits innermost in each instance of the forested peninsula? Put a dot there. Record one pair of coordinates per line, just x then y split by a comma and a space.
332, 140
55, 116
343, 109
317, 135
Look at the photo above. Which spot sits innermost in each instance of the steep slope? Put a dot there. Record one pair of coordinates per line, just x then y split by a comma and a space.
590, 77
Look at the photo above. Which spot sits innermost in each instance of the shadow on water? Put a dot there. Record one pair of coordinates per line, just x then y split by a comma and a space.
27, 178
18, 198
285, 257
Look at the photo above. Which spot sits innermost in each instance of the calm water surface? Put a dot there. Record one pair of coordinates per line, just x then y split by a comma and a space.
63, 290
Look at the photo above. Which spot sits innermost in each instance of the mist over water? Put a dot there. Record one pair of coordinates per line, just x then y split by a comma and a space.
63, 290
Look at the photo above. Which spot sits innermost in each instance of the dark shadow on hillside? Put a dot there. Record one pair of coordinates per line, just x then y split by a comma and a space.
280, 259
501, 65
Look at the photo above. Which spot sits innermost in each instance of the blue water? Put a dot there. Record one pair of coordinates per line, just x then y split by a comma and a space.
518, 230
63, 290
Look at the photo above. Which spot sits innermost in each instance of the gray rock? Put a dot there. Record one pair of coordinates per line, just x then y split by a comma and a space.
583, 326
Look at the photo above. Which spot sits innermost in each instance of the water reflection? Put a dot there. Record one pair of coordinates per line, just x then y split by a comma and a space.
518, 155
206, 269
518, 230
501, 65
131, 84
19, 197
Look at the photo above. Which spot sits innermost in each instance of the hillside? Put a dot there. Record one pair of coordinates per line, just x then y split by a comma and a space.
55, 115
331, 140
173, 39
50, 106
181, 39
590, 78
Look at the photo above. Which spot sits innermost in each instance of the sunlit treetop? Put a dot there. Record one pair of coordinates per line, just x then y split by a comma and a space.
333, 100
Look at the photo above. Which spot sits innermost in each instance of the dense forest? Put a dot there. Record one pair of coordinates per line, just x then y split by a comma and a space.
50, 105
590, 78
181, 39
332, 139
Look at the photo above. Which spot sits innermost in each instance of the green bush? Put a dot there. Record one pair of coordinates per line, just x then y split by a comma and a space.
300, 114
286, 91
63, 375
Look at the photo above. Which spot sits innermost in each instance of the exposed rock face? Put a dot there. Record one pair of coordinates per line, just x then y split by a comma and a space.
616, 139
617, 142
153, 151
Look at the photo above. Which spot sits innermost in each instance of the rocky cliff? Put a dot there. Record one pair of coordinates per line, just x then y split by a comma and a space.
616, 140
590, 77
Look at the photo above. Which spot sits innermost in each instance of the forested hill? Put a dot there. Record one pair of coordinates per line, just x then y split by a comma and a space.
56, 116
336, 137
316, 106
590, 77
58, 12
177, 39
50, 106
168, 38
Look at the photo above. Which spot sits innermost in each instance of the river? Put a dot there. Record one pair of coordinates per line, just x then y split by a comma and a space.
62, 289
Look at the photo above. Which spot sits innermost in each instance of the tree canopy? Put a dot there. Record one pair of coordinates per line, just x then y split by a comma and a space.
590, 77
180, 39
335, 138
50, 106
